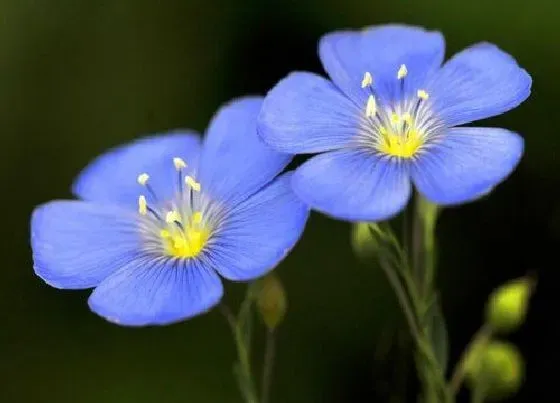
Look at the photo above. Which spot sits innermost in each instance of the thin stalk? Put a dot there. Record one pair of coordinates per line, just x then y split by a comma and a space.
483, 335
402, 298
244, 317
243, 369
421, 279
434, 377
246, 385
406, 235
478, 394
413, 305
417, 245
404, 266
268, 364
426, 217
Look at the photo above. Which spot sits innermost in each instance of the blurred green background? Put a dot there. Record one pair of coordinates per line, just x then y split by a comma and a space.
77, 77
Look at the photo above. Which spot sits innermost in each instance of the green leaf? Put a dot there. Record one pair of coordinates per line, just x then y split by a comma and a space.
434, 325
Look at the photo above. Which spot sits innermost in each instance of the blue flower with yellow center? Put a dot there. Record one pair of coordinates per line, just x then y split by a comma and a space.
162, 218
388, 119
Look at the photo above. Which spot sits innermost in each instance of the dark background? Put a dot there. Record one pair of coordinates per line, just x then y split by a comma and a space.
77, 77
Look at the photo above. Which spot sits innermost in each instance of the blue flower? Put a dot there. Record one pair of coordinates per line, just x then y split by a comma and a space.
161, 218
388, 119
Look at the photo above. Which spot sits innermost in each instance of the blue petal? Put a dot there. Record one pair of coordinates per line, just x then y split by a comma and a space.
259, 232
347, 55
477, 83
354, 185
78, 244
304, 113
466, 164
112, 177
235, 162
157, 291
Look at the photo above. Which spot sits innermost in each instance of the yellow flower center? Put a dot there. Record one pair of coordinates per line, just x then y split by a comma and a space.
396, 130
183, 231
403, 145
181, 240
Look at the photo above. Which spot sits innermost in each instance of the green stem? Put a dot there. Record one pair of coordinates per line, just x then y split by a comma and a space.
406, 233
244, 317
402, 298
425, 356
246, 377
416, 250
422, 280
478, 394
402, 263
240, 328
269, 352
482, 336
434, 376
424, 232
413, 306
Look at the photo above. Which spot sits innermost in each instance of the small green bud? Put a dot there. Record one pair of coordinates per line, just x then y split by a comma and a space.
271, 300
497, 368
508, 304
364, 244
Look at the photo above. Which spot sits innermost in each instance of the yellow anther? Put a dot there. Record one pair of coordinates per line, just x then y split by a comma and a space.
367, 80
143, 178
172, 216
383, 130
371, 107
197, 217
142, 205
179, 163
403, 71
422, 94
395, 118
165, 234
189, 180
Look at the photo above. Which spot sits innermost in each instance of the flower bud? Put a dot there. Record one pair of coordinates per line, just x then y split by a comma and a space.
508, 304
364, 244
497, 368
271, 300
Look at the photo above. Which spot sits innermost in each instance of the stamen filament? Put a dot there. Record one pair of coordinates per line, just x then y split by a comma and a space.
142, 179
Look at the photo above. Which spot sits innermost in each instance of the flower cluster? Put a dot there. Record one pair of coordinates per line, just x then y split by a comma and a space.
160, 220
